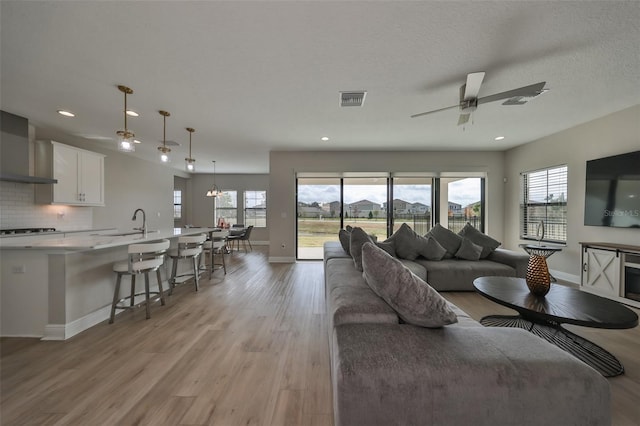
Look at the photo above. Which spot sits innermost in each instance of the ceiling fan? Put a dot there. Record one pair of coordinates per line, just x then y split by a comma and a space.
469, 99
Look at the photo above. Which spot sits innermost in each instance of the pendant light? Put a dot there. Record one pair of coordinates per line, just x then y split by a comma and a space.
125, 137
190, 162
214, 191
164, 151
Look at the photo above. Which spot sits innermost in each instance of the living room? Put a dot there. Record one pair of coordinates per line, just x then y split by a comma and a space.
590, 122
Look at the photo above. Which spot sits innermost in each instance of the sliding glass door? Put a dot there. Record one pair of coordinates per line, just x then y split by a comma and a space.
364, 201
319, 208
412, 203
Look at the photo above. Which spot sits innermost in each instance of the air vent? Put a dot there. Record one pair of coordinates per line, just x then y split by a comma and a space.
171, 143
352, 98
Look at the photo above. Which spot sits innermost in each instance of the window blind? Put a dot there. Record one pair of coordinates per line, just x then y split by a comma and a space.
543, 197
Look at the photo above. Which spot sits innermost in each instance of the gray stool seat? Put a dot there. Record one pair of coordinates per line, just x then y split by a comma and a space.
189, 247
142, 259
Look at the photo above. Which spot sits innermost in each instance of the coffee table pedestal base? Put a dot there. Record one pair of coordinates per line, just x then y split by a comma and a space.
586, 351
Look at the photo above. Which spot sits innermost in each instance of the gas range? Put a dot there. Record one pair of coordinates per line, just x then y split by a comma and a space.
25, 231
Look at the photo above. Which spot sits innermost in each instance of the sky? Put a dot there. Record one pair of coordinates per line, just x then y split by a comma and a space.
464, 192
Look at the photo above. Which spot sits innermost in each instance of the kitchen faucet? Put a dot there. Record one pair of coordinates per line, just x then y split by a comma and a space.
144, 222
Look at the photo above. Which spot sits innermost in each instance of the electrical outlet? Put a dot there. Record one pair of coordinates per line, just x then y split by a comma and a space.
19, 269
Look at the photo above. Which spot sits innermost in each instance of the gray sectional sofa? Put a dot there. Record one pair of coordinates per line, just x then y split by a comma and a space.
385, 372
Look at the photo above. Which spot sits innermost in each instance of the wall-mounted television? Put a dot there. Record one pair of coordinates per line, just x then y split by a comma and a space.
612, 191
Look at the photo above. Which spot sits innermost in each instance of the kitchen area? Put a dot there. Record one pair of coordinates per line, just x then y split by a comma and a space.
57, 253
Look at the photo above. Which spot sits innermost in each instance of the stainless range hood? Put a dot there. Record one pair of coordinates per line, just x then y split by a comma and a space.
15, 162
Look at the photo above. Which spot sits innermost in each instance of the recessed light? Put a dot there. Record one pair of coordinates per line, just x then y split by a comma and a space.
499, 138
136, 141
66, 113
132, 113
324, 138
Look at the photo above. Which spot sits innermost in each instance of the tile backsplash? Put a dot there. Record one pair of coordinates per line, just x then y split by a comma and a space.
19, 210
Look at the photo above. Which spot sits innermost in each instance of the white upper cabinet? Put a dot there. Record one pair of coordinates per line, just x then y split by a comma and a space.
80, 175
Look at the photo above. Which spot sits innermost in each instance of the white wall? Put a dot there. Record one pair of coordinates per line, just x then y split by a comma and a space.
283, 166
614, 134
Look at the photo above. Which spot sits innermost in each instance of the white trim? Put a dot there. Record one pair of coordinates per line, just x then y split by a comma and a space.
275, 259
65, 331
54, 332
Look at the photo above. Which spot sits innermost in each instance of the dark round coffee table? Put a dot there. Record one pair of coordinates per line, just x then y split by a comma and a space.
544, 316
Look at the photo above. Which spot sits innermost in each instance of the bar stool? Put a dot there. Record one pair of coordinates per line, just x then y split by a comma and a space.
143, 258
189, 247
216, 245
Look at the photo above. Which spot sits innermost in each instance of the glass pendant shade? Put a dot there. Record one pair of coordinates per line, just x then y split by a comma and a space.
125, 141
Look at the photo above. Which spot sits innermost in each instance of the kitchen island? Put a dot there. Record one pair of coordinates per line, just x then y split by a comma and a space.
55, 286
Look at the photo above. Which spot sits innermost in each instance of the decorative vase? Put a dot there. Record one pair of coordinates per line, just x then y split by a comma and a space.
538, 278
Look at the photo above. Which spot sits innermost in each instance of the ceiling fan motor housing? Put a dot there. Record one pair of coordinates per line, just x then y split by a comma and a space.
469, 105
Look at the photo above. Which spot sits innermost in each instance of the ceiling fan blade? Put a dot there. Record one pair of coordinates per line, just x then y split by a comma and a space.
435, 110
463, 119
472, 88
526, 91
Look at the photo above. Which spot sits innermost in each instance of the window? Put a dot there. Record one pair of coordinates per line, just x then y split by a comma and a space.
177, 205
255, 208
227, 207
544, 198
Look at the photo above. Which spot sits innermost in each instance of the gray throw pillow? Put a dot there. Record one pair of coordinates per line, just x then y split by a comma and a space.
487, 243
388, 247
469, 250
433, 250
358, 238
447, 239
407, 243
345, 238
415, 301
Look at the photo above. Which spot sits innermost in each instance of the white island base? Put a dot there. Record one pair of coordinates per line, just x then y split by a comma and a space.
55, 287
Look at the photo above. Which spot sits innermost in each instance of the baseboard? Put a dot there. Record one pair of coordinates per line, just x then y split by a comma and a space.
563, 276
276, 259
65, 331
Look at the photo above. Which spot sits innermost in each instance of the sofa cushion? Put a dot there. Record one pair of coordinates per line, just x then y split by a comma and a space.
413, 299
358, 239
348, 305
468, 250
447, 239
487, 243
345, 239
458, 274
393, 374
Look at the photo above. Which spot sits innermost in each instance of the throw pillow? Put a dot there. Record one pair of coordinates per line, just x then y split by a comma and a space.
487, 243
447, 239
344, 237
357, 240
415, 301
433, 250
388, 247
407, 243
468, 250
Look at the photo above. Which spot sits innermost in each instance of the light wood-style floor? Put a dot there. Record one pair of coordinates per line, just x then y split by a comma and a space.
247, 349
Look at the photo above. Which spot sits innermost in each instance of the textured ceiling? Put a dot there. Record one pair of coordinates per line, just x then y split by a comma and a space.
252, 77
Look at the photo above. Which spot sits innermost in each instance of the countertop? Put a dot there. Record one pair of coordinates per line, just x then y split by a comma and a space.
93, 241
